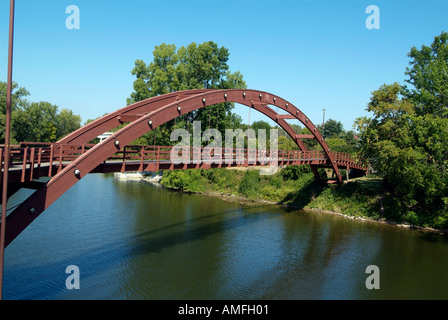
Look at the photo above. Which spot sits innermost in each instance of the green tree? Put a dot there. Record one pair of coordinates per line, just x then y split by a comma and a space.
409, 149
191, 67
428, 77
387, 133
261, 125
67, 122
18, 96
286, 143
310, 144
18, 101
250, 183
332, 128
296, 128
34, 121
341, 145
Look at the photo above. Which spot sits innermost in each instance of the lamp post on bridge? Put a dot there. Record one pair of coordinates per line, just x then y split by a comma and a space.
7, 144
323, 122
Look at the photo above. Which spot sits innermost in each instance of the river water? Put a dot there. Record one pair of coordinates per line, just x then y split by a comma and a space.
133, 240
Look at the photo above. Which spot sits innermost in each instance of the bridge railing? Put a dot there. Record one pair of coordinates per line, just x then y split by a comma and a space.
347, 158
186, 154
29, 157
237, 156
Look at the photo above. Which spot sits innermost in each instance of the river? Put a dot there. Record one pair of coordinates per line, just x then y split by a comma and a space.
134, 240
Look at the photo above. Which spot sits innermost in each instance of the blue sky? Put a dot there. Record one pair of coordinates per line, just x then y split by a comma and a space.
315, 53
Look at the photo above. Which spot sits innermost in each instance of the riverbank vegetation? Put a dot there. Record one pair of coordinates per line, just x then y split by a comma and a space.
406, 139
278, 187
293, 186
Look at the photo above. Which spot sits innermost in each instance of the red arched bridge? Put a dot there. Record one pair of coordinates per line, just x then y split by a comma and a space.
71, 158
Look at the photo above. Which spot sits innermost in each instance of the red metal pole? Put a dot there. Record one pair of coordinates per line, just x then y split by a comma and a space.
7, 146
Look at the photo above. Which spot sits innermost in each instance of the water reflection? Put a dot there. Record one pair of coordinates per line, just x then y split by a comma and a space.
132, 240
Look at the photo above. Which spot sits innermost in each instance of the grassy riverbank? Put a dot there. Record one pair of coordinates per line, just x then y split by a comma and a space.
296, 187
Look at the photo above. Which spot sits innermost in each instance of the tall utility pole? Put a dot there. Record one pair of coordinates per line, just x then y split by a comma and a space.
7, 144
323, 122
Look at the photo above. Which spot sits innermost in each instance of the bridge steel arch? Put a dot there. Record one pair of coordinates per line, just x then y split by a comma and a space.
112, 120
153, 112
133, 111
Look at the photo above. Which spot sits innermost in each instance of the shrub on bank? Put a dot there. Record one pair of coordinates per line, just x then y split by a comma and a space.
250, 184
296, 186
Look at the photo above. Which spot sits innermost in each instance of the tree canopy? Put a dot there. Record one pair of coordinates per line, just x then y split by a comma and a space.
428, 77
405, 140
195, 66
35, 121
332, 128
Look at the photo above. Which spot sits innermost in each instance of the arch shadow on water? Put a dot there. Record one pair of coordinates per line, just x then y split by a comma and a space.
44, 281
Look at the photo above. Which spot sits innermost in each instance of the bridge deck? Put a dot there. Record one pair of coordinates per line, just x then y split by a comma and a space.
30, 162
